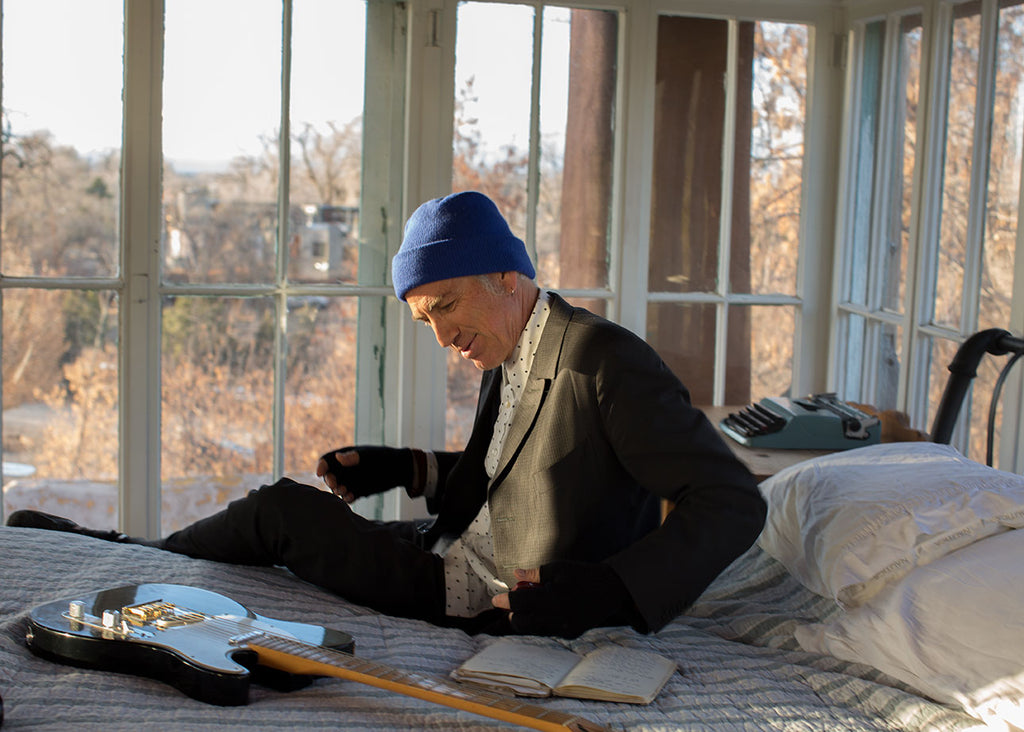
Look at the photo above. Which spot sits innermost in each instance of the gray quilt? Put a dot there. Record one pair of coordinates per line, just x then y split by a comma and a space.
739, 668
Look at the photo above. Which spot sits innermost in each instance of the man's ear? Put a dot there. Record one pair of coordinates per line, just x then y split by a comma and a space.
509, 281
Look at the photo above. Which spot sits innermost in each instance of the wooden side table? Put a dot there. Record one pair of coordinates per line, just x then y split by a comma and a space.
762, 462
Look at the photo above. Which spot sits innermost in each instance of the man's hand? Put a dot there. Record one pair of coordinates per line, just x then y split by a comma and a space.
355, 472
565, 599
524, 578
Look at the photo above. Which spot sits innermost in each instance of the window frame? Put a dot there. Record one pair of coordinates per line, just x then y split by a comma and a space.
141, 289
814, 264
916, 318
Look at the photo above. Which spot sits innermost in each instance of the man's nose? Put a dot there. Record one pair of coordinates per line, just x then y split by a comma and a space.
444, 334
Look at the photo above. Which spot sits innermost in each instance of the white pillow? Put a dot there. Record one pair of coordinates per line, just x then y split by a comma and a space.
952, 630
849, 523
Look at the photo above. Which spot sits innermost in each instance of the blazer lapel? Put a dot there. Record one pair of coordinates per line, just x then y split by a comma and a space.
542, 372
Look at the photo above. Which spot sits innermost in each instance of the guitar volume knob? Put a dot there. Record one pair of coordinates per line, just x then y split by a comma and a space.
76, 610
111, 619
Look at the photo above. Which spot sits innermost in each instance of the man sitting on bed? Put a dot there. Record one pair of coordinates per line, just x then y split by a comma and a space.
548, 521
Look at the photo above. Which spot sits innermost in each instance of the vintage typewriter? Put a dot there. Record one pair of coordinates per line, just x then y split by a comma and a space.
816, 422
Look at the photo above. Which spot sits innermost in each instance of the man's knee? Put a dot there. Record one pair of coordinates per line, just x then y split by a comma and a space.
284, 492
292, 510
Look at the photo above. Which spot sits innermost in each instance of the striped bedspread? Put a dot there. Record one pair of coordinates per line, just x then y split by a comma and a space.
739, 666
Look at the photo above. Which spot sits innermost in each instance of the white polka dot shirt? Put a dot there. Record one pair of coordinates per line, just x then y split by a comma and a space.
469, 571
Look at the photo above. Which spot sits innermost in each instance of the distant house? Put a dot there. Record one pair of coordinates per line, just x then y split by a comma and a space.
323, 247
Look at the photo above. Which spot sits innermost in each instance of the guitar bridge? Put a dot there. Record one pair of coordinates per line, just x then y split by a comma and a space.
160, 614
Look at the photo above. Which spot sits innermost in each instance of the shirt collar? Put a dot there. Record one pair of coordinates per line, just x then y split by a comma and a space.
517, 367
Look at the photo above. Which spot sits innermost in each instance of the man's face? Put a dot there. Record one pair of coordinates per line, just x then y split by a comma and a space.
482, 323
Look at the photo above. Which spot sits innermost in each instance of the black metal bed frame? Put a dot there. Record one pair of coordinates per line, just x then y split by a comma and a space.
963, 368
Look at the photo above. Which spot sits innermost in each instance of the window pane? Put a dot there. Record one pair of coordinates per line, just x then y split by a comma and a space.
765, 243
1001, 218
852, 334
577, 112
320, 392
463, 390
328, 56
882, 170
221, 119
960, 122
61, 137
863, 165
870, 375
593, 304
688, 132
897, 246
60, 419
684, 336
492, 105
216, 415
770, 336
890, 350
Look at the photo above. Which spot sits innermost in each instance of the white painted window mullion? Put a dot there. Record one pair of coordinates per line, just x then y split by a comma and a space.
980, 150
635, 106
725, 214
932, 116
533, 155
1011, 450
140, 233
416, 365
615, 239
888, 159
283, 222
848, 161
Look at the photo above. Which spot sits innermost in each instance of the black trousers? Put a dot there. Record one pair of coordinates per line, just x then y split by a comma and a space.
320, 539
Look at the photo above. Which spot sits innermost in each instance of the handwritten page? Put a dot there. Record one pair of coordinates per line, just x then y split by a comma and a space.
615, 673
611, 673
526, 669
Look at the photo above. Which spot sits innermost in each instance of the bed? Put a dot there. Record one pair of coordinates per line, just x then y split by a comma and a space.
867, 554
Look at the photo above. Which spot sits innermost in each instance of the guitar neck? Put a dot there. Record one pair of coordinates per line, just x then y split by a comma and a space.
296, 657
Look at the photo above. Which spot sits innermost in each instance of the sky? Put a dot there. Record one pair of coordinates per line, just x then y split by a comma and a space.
62, 71
62, 92
221, 76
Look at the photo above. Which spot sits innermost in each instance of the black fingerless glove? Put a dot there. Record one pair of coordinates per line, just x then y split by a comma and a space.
379, 469
572, 597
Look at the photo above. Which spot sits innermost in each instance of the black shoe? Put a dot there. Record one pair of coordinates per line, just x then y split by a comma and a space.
39, 520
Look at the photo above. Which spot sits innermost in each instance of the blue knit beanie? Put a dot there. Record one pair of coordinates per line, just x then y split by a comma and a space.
456, 236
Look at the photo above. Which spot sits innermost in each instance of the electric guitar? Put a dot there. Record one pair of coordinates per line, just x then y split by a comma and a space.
210, 647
